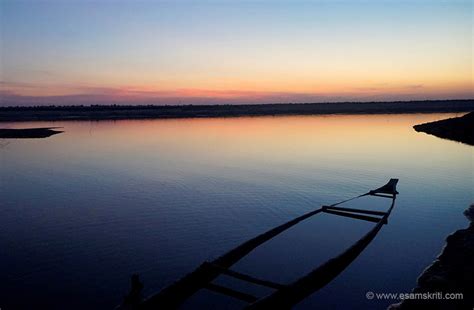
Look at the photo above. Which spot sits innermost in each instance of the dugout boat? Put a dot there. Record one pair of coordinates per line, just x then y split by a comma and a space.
284, 296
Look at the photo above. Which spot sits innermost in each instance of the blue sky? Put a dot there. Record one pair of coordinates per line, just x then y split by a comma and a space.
234, 51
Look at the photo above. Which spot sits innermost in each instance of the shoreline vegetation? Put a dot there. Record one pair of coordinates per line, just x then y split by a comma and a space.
459, 129
118, 112
451, 272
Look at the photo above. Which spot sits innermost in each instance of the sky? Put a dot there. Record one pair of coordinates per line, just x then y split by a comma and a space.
233, 52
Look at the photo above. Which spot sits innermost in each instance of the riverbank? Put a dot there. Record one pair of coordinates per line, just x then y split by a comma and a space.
459, 129
451, 272
116, 112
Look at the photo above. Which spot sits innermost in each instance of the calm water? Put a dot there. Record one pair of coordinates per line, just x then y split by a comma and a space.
82, 210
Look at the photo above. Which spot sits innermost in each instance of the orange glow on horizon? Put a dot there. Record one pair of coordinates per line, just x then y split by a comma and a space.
149, 91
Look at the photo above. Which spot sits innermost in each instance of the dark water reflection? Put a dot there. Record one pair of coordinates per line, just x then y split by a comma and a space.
83, 210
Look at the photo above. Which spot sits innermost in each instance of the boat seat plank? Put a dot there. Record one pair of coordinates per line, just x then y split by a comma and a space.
355, 210
380, 195
231, 292
247, 278
355, 216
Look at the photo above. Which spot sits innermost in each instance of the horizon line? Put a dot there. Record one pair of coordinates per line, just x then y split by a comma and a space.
124, 105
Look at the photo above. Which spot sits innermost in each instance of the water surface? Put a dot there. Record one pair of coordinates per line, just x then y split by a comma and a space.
82, 210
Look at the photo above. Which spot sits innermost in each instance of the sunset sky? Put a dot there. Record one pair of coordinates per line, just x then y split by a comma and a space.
196, 52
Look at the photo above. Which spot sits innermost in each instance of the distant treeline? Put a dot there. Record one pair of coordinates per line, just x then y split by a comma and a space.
112, 112
234, 106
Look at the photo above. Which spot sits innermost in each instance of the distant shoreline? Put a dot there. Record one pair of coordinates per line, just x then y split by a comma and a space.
120, 112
